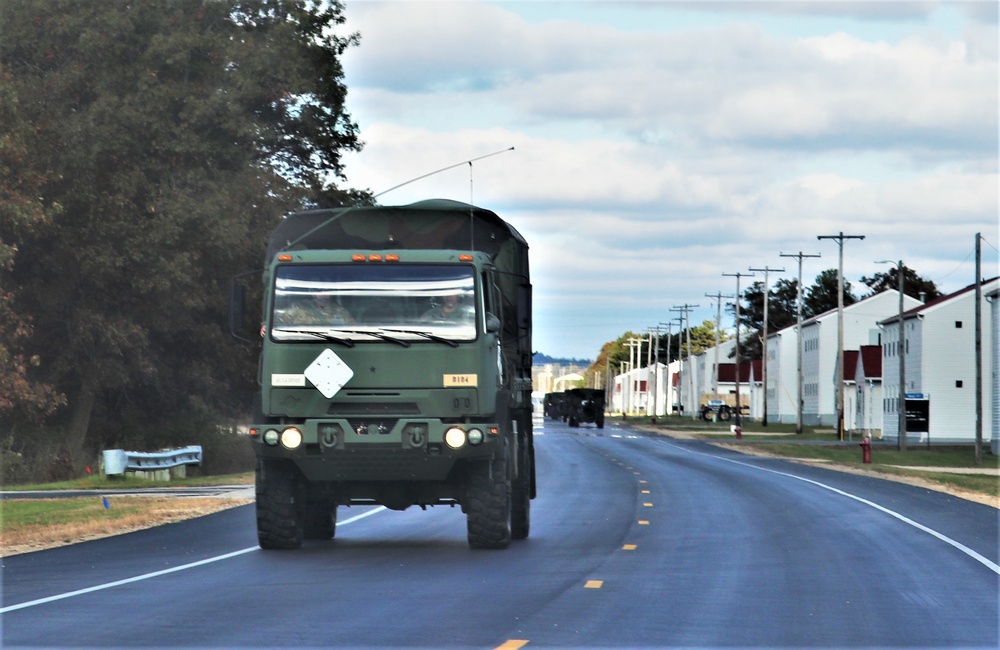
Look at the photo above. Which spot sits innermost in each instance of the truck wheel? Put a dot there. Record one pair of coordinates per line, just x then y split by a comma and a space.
520, 514
725, 414
600, 421
489, 506
279, 516
320, 521
573, 422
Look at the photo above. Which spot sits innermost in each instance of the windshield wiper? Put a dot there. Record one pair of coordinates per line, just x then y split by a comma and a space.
379, 335
427, 335
323, 335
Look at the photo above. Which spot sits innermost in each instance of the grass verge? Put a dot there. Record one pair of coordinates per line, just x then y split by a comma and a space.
947, 468
36, 524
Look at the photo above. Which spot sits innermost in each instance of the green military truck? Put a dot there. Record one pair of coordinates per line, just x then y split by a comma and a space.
395, 369
585, 405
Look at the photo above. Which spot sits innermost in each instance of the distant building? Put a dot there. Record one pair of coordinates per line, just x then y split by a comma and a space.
556, 378
867, 377
820, 358
939, 345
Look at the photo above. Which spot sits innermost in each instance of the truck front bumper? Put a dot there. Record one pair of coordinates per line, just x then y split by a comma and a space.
407, 450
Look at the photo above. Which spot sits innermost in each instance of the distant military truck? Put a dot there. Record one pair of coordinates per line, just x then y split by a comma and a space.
585, 405
554, 405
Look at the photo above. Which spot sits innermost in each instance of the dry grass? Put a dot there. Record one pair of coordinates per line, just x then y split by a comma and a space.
26, 524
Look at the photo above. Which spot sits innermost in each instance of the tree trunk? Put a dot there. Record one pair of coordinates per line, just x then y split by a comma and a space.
81, 408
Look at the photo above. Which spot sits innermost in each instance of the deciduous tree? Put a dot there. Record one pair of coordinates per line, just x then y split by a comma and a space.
913, 285
172, 134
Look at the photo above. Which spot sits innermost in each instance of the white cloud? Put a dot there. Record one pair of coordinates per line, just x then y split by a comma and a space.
648, 161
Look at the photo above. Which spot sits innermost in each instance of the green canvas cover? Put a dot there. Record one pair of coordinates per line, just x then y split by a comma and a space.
427, 225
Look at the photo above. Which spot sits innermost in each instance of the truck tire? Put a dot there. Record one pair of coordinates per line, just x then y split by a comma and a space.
279, 515
320, 521
725, 414
520, 514
488, 517
600, 421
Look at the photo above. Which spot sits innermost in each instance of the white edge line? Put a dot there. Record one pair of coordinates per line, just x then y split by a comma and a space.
985, 561
156, 574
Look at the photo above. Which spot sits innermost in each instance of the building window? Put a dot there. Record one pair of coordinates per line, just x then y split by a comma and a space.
958, 384
958, 324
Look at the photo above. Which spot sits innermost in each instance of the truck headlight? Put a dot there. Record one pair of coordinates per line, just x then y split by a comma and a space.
454, 437
475, 436
271, 437
291, 438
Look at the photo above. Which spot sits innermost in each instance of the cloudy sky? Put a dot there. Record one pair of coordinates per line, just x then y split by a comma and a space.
658, 145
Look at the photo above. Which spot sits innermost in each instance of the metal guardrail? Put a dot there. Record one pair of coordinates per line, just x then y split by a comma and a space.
117, 461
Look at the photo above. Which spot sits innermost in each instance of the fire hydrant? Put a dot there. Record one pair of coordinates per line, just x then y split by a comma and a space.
738, 430
866, 450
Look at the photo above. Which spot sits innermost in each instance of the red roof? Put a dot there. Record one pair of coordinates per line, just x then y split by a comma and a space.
871, 361
936, 301
727, 373
850, 364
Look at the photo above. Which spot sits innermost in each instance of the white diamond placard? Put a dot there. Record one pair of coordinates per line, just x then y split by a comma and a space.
328, 373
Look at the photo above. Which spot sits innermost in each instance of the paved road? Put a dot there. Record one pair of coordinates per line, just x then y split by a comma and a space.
637, 541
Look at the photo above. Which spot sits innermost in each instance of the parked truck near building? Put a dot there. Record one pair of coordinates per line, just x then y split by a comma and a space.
721, 407
395, 369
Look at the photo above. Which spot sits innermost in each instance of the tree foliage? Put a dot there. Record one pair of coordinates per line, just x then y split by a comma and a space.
22, 396
913, 285
164, 139
782, 308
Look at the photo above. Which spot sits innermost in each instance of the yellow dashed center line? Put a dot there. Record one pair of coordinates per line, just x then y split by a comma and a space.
629, 547
512, 644
643, 522
648, 505
593, 584
645, 491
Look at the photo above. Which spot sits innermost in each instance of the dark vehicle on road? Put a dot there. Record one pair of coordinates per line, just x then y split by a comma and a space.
585, 405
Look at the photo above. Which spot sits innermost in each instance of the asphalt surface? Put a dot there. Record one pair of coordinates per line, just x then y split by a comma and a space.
637, 541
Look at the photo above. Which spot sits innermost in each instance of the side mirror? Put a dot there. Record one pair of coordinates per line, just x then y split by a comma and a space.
240, 326
492, 324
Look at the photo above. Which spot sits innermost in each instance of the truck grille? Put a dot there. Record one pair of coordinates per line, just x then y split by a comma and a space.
373, 408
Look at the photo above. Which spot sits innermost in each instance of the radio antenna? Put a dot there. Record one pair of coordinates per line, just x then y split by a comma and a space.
443, 169
343, 212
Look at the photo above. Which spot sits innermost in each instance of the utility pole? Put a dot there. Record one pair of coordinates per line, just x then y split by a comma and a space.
686, 310
901, 352
649, 365
979, 351
635, 358
798, 332
840, 327
763, 343
668, 405
717, 297
656, 371
739, 409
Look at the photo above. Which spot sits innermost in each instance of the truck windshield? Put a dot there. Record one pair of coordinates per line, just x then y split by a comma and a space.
374, 302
